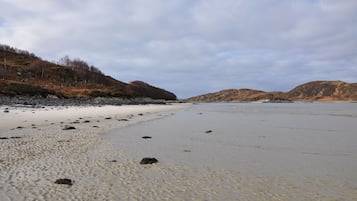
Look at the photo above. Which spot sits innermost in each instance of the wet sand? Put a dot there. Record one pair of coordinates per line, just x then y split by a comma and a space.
248, 152
35, 151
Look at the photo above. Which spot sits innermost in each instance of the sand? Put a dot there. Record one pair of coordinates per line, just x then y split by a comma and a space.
43, 152
103, 170
253, 151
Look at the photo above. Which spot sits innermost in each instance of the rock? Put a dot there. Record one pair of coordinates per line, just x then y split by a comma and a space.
86, 121
67, 127
113, 161
140, 114
65, 181
146, 137
19, 127
209, 131
186, 150
145, 161
15, 137
4, 138
6, 110
108, 118
123, 120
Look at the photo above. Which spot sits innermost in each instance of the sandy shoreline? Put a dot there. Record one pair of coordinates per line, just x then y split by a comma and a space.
30, 164
35, 151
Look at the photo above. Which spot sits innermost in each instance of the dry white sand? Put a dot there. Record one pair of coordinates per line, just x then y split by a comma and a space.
43, 152
30, 165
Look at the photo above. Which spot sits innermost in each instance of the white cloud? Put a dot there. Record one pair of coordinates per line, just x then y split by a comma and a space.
191, 47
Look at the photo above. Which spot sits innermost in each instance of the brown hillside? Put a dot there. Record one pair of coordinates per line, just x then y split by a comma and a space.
23, 73
311, 91
324, 91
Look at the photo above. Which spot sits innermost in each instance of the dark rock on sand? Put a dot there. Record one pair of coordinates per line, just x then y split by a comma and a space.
6, 110
65, 181
19, 127
123, 120
146, 137
113, 161
67, 127
15, 137
209, 131
86, 121
4, 138
148, 161
108, 118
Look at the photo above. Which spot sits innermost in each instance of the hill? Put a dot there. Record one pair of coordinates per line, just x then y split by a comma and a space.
308, 92
25, 74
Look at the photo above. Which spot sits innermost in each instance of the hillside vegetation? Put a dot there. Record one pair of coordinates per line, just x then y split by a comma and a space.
23, 73
308, 92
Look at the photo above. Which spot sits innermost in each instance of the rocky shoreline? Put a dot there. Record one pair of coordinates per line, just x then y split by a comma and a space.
35, 102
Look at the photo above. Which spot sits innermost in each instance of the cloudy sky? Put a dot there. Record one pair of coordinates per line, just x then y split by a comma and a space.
192, 47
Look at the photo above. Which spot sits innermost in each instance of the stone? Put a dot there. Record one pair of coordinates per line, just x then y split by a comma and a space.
209, 131
145, 161
67, 127
146, 137
65, 181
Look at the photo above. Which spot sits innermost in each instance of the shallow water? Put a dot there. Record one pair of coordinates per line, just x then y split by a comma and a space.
271, 140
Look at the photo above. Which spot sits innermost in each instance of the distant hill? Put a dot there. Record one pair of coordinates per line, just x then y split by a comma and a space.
23, 73
311, 91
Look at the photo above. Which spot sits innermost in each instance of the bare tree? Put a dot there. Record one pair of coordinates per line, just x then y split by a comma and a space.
39, 67
4, 70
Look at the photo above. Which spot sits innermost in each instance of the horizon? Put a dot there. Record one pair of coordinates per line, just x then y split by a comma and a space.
193, 48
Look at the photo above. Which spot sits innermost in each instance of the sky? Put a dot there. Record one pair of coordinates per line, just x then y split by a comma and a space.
192, 47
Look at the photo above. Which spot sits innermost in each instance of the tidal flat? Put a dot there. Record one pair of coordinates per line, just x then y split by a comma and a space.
248, 151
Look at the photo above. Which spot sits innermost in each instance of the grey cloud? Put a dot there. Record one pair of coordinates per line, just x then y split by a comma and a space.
191, 47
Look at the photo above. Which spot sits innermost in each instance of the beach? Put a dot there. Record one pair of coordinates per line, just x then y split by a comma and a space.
204, 152
297, 151
36, 150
